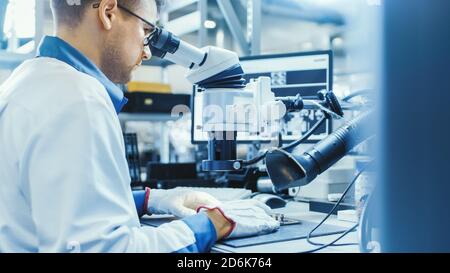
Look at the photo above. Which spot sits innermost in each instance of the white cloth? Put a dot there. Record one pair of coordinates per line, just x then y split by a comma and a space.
248, 217
178, 202
64, 180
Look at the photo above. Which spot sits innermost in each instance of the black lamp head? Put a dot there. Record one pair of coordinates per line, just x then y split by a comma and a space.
287, 171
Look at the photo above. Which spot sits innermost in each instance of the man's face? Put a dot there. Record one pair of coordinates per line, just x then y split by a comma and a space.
123, 49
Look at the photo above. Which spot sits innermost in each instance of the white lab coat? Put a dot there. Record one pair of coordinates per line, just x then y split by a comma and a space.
64, 181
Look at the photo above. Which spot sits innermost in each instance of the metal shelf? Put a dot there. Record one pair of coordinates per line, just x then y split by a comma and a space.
164, 148
146, 117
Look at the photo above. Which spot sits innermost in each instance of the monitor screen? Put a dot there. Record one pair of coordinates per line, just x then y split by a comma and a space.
303, 73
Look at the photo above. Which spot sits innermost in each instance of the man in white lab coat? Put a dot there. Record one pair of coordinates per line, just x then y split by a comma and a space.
64, 180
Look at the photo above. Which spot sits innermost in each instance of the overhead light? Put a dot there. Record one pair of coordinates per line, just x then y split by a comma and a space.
209, 24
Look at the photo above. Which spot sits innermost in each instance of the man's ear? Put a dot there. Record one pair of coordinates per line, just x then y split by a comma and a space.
107, 13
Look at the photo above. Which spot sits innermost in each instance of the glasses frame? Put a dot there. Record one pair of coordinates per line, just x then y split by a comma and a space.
149, 37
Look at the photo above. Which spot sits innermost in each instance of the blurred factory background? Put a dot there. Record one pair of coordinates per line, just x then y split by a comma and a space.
249, 27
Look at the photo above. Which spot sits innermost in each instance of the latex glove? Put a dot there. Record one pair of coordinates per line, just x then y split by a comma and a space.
178, 202
247, 217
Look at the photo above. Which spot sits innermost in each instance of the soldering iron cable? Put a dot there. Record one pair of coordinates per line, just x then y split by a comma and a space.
289, 146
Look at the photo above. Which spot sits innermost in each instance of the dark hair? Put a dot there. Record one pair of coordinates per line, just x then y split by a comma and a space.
71, 12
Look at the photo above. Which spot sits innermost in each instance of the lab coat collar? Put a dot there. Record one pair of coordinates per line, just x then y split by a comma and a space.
54, 47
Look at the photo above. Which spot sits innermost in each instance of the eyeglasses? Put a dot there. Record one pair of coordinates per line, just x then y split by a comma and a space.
149, 37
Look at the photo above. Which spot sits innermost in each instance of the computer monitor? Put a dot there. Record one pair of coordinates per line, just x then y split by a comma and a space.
303, 73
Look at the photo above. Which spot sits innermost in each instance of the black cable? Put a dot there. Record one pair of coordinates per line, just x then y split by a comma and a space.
255, 160
280, 140
364, 229
308, 238
334, 241
357, 94
290, 145
306, 136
